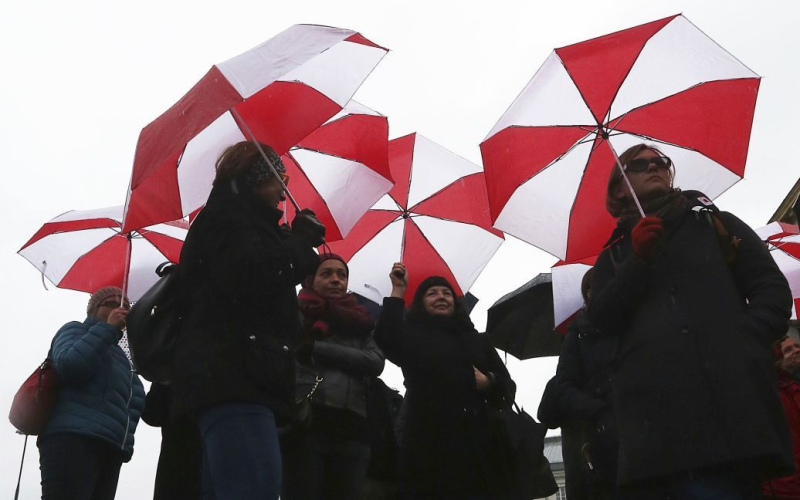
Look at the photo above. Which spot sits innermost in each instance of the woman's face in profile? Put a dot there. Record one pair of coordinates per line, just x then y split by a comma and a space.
438, 301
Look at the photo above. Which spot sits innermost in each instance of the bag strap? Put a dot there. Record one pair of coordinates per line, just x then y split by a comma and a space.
19, 478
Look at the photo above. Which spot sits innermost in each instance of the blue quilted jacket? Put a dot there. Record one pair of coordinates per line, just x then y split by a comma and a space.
101, 397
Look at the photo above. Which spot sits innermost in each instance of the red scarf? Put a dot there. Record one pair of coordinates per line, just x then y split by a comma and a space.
320, 313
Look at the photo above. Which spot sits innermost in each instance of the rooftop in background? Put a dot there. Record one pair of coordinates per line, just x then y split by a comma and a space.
787, 210
552, 451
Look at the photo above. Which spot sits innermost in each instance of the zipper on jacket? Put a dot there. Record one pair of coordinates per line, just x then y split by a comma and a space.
128, 410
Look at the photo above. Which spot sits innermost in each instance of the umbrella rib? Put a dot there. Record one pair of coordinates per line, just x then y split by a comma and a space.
628, 72
313, 187
580, 93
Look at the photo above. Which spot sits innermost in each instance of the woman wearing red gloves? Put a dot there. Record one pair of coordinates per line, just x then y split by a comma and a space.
695, 300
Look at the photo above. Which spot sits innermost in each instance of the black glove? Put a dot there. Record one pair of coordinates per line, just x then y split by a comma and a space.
306, 223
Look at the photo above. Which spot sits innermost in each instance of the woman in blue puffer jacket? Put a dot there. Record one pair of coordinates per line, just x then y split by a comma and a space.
90, 434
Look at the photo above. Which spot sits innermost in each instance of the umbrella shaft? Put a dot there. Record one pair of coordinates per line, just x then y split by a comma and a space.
266, 158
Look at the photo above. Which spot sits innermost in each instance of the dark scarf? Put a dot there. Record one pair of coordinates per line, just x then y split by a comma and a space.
669, 208
320, 313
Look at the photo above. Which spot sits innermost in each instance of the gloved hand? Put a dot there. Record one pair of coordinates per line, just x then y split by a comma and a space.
306, 222
645, 237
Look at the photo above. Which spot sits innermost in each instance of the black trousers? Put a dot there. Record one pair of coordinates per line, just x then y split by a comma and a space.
318, 468
76, 467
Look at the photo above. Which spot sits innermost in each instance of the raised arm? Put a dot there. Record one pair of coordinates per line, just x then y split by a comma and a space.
78, 353
389, 328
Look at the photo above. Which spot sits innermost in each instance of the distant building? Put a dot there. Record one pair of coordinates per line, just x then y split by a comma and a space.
552, 451
787, 210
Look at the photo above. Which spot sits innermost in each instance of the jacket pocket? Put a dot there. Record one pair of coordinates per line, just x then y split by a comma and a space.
269, 364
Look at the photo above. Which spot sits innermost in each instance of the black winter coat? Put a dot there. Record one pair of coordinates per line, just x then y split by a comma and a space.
694, 384
578, 400
241, 324
444, 445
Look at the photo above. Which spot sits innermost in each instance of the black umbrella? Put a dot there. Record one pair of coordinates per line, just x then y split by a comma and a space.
521, 322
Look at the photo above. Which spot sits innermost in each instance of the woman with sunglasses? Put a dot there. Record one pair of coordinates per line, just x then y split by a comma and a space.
90, 433
234, 362
695, 301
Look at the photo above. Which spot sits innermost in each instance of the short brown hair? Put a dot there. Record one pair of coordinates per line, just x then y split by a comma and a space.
240, 158
616, 205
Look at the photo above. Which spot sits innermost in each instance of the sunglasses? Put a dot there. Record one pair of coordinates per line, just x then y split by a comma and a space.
113, 304
640, 165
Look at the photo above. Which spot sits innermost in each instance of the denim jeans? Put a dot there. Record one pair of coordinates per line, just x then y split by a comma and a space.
241, 455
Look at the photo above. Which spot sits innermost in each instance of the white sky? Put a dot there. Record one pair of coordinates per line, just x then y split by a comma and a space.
80, 80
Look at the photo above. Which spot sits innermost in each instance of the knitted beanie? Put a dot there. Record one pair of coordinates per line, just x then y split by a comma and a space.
323, 256
101, 295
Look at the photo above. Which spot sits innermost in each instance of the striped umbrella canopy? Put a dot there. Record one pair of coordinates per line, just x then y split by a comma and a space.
665, 83
278, 93
86, 250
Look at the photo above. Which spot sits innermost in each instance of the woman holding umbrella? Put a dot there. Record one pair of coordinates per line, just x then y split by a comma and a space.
234, 368
451, 372
696, 302
90, 433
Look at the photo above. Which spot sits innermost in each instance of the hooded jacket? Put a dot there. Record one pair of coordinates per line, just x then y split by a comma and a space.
240, 325
101, 396
694, 384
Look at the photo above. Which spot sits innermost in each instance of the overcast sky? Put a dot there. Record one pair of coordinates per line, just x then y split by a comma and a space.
80, 80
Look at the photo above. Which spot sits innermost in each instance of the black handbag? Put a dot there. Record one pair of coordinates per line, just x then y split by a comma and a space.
303, 415
153, 325
518, 444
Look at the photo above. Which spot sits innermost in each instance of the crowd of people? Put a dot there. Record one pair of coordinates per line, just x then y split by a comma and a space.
667, 386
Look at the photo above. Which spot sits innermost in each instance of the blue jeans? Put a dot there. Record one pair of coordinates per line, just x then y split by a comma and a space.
241, 456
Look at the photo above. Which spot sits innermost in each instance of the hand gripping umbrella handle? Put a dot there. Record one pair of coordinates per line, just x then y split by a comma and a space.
264, 155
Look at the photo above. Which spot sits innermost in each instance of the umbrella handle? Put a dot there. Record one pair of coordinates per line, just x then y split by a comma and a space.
126, 271
624, 176
264, 155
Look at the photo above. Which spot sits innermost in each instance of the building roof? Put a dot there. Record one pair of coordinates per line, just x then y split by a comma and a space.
552, 451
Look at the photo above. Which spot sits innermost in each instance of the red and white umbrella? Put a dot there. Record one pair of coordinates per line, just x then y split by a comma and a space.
567, 297
783, 241
86, 249
435, 220
548, 159
279, 92
341, 169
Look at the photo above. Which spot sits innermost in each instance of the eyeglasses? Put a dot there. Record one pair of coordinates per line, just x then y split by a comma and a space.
113, 304
284, 178
640, 165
